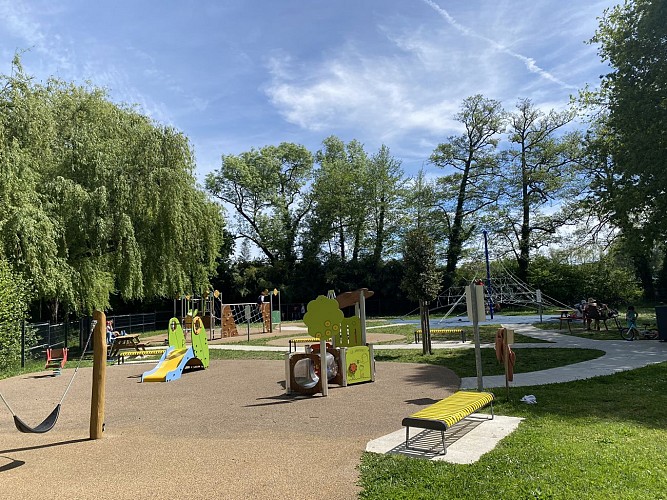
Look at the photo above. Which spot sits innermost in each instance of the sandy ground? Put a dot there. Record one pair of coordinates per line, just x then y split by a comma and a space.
225, 432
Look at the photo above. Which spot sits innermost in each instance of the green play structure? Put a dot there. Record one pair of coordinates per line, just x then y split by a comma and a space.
347, 358
179, 356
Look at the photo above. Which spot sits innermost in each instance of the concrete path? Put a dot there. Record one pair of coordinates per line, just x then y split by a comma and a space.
620, 355
466, 441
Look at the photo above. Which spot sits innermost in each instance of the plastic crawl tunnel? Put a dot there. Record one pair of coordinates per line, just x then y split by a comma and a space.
304, 371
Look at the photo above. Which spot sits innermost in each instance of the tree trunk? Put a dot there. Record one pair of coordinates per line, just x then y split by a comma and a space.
455, 246
341, 241
54, 305
524, 242
425, 327
357, 243
643, 270
379, 236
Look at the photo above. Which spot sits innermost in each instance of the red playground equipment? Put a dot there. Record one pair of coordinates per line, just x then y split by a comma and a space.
56, 359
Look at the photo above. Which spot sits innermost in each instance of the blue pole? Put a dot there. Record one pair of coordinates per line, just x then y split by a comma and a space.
488, 273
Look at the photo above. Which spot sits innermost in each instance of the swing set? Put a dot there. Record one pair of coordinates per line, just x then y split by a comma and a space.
50, 421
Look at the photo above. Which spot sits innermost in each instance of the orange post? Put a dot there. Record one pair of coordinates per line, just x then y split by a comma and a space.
99, 375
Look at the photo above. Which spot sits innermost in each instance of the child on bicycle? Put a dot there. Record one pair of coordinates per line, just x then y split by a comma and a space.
631, 316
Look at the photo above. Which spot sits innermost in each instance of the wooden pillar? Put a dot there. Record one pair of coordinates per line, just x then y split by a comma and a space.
99, 375
324, 376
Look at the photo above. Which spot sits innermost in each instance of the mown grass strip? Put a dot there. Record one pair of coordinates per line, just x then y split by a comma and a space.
603, 438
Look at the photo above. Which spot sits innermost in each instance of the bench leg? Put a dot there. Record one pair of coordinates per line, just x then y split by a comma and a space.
407, 440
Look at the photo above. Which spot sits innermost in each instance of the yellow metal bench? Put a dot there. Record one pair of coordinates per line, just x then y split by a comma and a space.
441, 331
303, 340
445, 413
121, 355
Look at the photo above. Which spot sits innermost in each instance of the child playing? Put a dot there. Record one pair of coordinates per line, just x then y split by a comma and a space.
631, 316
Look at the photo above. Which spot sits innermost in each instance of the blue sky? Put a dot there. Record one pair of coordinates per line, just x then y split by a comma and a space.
238, 74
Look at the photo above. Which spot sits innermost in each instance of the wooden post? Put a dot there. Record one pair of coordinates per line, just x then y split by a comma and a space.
506, 360
99, 375
475, 306
324, 379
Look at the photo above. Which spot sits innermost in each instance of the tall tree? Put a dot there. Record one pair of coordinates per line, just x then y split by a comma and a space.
98, 199
539, 172
631, 134
421, 279
469, 187
419, 207
382, 195
340, 213
14, 297
267, 189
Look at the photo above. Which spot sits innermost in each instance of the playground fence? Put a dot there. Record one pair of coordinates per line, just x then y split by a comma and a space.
73, 334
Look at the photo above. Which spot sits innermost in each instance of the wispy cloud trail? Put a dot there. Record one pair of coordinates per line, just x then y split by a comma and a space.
529, 62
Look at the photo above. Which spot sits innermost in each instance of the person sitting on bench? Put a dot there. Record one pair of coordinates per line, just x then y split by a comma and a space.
111, 333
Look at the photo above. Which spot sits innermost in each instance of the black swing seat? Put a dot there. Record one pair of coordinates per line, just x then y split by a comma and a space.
45, 426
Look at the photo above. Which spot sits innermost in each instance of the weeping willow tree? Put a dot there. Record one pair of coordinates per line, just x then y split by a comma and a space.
15, 293
98, 199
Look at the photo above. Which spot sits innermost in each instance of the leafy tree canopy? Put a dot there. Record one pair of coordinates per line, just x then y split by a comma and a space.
98, 199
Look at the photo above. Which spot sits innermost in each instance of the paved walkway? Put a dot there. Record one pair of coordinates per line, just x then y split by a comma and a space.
620, 355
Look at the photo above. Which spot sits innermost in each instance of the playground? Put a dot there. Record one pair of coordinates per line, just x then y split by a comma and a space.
225, 432
232, 428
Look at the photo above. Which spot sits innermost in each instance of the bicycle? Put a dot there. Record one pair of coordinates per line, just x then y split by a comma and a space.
632, 332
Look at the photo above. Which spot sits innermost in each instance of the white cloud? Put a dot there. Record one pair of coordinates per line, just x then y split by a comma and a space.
16, 16
415, 82
20, 20
351, 89
529, 62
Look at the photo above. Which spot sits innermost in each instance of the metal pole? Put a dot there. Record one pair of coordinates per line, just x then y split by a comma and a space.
270, 312
475, 323
248, 313
23, 343
488, 273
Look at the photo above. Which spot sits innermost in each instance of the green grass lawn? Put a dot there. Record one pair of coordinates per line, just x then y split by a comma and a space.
487, 334
406, 331
462, 361
603, 438
232, 354
579, 331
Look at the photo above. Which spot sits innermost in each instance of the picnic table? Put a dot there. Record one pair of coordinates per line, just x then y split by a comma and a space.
565, 317
129, 341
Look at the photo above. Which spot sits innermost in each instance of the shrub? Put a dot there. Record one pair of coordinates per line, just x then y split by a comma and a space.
14, 296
